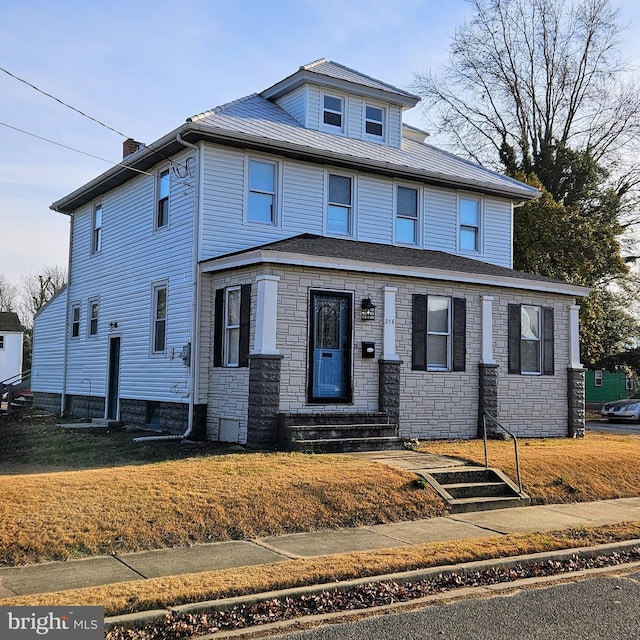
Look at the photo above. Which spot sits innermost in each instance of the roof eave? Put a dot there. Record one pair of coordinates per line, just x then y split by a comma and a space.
305, 76
302, 152
192, 132
142, 160
292, 258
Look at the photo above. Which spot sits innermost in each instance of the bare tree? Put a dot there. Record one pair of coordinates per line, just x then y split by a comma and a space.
37, 290
528, 77
8, 294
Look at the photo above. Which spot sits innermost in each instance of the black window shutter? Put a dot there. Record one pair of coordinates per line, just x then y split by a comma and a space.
459, 334
548, 364
419, 339
514, 338
218, 327
245, 313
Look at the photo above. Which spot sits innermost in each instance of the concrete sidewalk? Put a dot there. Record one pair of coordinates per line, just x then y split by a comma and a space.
58, 576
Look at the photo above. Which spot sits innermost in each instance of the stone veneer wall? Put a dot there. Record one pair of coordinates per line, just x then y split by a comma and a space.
431, 404
576, 388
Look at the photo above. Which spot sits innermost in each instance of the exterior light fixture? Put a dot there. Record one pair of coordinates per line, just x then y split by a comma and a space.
368, 309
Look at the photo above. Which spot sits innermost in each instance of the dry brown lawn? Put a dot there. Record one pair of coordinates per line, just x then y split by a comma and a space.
557, 470
62, 515
71, 494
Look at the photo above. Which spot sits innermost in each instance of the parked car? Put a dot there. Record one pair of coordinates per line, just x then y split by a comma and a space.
628, 409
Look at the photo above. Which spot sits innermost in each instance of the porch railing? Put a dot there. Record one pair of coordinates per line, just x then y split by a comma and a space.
486, 415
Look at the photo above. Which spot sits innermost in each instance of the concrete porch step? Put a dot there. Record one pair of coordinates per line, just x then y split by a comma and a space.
346, 445
340, 431
466, 489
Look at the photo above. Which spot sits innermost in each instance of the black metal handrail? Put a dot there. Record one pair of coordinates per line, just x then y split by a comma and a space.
486, 415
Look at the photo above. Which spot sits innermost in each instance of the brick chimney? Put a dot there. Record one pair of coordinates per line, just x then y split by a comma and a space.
130, 146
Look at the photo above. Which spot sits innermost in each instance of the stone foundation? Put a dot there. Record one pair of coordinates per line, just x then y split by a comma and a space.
49, 402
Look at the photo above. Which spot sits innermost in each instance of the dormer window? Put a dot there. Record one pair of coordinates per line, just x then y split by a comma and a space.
374, 121
333, 112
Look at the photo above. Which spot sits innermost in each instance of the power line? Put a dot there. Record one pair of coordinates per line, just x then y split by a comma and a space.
59, 144
33, 86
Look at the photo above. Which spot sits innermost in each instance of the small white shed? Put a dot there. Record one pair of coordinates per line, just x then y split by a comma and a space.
11, 343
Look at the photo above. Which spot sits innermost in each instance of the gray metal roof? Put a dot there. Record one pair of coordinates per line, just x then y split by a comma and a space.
355, 253
262, 119
333, 75
257, 123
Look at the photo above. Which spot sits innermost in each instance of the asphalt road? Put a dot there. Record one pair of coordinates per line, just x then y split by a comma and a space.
613, 427
599, 608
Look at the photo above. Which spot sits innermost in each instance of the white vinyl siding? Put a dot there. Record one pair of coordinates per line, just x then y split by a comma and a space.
48, 345
295, 104
375, 203
301, 192
498, 232
125, 298
440, 219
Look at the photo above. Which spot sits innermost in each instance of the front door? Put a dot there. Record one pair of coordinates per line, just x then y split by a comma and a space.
113, 380
330, 347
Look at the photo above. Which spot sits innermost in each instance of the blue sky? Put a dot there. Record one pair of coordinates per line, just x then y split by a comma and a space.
143, 67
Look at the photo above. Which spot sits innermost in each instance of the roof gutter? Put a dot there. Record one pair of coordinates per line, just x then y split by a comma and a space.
192, 132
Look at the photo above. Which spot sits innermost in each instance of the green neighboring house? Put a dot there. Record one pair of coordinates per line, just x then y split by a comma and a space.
602, 386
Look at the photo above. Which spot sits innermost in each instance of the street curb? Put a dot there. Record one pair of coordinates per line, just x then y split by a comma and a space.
139, 619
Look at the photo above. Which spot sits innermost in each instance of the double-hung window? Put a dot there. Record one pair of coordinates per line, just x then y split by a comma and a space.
332, 112
407, 215
159, 329
439, 333
340, 205
469, 215
162, 207
231, 326
531, 340
597, 378
75, 321
94, 307
374, 122
96, 235
1, 342
262, 191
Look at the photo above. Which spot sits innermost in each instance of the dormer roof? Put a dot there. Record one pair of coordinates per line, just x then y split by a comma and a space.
338, 77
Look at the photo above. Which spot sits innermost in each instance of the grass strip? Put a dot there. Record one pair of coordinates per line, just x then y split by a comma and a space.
133, 596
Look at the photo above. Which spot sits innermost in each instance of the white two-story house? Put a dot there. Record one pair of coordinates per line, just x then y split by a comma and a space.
302, 253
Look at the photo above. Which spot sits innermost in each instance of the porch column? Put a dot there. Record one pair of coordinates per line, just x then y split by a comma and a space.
264, 367
389, 328
266, 316
575, 378
487, 370
487, 330
389, 363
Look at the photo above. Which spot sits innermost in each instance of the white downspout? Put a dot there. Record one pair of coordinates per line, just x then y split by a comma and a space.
195, 297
